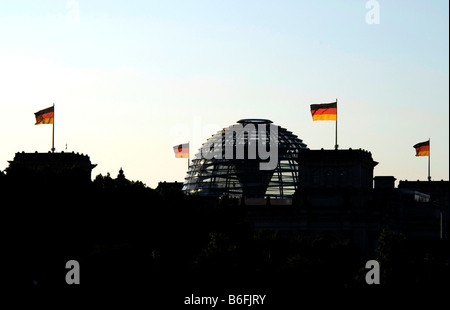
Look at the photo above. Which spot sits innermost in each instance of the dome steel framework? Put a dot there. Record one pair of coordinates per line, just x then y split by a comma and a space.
242, 177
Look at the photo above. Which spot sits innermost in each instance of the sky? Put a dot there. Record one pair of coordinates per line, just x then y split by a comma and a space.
131, 79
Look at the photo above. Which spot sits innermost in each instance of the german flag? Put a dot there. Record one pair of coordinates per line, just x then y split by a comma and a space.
182, 150
324, 111
422, 148
45, 116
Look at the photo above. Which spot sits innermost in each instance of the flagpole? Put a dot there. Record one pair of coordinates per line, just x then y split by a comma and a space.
53, 130
189, 152
335, 139
429, 156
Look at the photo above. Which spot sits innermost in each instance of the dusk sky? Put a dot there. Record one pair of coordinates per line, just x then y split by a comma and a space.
131, 79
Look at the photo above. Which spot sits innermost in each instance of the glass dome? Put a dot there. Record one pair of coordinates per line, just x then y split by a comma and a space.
242, 176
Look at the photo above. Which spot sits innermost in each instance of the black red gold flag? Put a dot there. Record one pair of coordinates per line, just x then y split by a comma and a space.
45, 116
181, 150
422, 148
324, 111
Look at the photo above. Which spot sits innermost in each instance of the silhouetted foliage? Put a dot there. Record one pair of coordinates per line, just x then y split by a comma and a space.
390, 248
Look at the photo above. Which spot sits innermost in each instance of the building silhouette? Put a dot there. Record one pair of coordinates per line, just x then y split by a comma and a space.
338, 197
165, 187
323, 192
328, 193
241, 177
70, 165
439, 194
